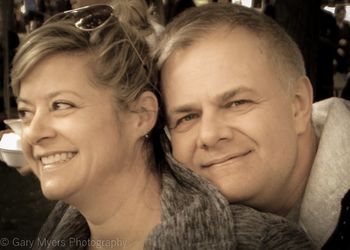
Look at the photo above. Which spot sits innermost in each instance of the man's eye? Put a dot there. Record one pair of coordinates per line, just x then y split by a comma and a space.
186, 118
62, 105
238, 103
184, 123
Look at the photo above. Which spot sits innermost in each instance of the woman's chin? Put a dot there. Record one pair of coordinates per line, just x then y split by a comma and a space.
54, 192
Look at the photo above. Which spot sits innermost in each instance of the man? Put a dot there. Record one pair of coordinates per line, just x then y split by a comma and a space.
239, 112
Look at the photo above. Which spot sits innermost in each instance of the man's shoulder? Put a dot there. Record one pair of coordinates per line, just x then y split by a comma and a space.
274, 232
260, 220
336, 107
331, 102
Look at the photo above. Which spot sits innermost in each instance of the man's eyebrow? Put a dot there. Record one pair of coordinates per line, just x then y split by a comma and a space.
50, 96
227, 95
186, 108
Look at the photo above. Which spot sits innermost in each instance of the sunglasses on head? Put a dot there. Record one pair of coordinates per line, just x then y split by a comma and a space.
90, 18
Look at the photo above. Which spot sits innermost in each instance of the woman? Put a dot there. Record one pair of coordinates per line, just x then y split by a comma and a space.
84, 83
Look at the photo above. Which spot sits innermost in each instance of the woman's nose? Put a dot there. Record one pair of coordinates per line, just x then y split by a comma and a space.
39, 129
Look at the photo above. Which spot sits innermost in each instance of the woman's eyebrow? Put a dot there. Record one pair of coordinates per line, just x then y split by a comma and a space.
60, 92
25, 101
50, 95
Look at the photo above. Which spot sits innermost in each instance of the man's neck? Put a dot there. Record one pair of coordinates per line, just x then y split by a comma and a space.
307, 148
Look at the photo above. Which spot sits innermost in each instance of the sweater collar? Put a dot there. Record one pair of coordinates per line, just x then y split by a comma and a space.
330, 176
190, 207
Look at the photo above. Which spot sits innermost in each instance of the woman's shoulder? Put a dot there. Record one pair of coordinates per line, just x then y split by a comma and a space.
64, 228
53, 219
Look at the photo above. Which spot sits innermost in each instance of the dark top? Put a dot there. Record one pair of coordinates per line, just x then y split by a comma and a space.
194, 215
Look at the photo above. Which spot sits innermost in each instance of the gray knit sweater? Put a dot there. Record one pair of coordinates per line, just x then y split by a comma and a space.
194, 216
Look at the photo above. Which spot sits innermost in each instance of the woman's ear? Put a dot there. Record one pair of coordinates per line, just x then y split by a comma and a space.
146, 110
302, 103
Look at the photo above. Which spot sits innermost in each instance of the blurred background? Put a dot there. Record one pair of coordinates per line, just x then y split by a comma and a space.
307, 22
320, 28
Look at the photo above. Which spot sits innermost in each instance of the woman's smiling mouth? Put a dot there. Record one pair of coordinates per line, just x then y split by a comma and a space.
52, 160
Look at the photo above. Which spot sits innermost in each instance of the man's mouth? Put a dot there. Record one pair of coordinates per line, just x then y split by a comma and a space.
225, 160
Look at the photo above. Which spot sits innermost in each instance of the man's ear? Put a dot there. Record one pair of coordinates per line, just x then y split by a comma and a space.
302, 103
146, 109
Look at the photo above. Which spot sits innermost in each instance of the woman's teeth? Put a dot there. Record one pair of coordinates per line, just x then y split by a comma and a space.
55, 158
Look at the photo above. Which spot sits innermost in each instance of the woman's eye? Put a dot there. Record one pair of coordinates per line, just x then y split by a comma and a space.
24, 114
21, 113
59, 105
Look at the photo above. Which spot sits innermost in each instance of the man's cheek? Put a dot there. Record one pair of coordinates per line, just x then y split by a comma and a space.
182, 150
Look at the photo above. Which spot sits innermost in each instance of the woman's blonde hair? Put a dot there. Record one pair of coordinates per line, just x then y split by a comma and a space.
119, 54
119, 50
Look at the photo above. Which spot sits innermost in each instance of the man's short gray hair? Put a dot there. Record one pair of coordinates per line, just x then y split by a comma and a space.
196, 23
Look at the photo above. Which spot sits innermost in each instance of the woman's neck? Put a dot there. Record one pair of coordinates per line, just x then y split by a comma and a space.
131, 223
123, 210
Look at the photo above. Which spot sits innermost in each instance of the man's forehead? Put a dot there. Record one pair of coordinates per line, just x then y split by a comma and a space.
206, 70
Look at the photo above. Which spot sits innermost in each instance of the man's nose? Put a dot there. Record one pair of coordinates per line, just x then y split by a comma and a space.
213, 130
39, 129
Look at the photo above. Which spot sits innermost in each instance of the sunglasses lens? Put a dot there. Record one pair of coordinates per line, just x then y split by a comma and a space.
93, 17
85, 18
90, 18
